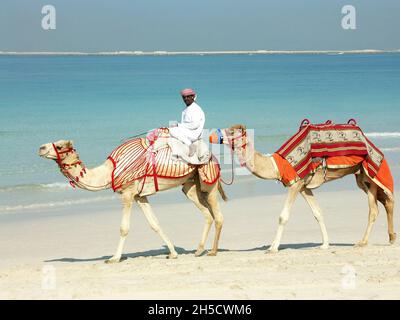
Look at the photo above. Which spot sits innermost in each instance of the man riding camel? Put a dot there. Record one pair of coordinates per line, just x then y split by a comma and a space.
190, 129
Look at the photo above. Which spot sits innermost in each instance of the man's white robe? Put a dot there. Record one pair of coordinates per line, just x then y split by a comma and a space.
191, 126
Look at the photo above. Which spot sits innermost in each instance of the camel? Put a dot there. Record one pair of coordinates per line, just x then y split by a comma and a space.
264, 167
204, 196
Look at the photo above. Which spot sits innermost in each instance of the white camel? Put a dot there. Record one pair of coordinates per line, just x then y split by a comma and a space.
204, 196
264, 167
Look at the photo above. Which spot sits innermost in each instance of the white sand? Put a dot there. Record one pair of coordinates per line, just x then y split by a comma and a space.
72, 246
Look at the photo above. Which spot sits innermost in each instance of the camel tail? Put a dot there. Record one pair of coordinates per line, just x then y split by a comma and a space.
388, 203
222, 192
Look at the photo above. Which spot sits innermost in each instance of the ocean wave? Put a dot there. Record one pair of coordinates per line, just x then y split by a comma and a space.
36, 187
278, 136
35, 206
6, 133
395, 149
163, 52
383, 134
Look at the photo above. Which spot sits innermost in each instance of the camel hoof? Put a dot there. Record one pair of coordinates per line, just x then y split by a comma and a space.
112, 260
271, 251
172, 256
360, 244
212, 253
392, 238
199, 252
324, 246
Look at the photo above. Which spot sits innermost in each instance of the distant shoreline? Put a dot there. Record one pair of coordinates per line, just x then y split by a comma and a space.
200, 53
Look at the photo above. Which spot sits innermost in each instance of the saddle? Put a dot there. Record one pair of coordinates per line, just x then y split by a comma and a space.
147, 159
329, 140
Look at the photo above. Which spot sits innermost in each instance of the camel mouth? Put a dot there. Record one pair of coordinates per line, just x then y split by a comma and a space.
45, 154
43, 151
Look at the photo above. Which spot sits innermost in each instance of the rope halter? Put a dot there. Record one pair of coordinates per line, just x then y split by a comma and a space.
64, 167
232, 138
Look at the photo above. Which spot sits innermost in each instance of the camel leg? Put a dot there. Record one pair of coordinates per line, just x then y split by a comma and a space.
127, 199
389, 206
388, 203
193, 193
212, 200
373, 212
155, 225
309, 197
360, 182
293, 191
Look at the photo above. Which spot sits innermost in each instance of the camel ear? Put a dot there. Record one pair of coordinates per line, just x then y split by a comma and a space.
70, 144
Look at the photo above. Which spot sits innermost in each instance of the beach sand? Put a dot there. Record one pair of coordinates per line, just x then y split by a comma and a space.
60, 254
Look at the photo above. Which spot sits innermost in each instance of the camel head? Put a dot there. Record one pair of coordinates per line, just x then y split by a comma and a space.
235, 136
57, 150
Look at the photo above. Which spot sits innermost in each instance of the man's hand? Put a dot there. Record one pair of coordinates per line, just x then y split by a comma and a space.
152, 136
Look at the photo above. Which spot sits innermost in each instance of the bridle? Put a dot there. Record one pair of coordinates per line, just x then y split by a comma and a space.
231, 142
64, 167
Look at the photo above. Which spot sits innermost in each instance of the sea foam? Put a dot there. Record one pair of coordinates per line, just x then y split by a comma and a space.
47, 205
383, 134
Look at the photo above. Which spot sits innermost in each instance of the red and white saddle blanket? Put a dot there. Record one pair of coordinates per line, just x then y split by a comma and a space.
329, 140
135, 159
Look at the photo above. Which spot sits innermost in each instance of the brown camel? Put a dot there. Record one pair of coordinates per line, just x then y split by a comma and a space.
264, 167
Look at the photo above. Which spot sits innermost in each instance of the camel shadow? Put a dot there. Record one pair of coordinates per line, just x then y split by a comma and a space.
150, 253
310, 245
162, 253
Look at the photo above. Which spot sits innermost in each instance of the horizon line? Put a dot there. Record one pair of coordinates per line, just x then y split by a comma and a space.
219, 52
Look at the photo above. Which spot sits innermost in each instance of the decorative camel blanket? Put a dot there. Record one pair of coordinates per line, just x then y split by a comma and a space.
137, 159
329, 140
384, 178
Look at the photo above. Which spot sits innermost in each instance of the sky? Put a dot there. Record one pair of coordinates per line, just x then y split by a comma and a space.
198, 25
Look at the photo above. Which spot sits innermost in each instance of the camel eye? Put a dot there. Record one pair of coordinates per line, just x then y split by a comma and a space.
58, 148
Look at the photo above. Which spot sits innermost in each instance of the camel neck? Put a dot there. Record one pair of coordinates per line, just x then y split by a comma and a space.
80, 176
258, 164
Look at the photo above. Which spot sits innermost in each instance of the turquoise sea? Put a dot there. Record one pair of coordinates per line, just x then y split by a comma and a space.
97, 101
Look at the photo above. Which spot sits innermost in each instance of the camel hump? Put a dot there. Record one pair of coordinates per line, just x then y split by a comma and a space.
135, 159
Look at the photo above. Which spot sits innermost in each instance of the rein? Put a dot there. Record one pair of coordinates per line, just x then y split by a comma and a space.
73, 181
135, 136
232, 148
232, 172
